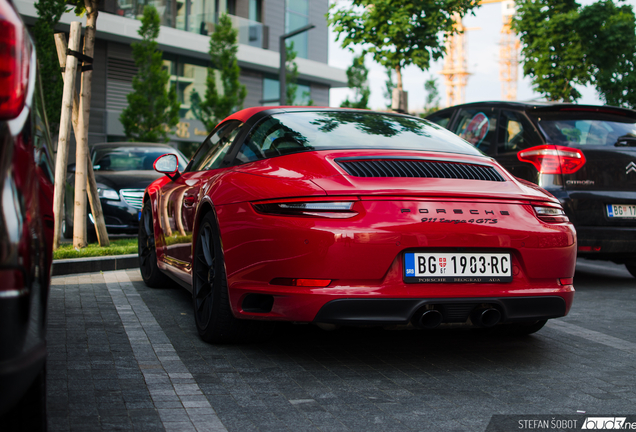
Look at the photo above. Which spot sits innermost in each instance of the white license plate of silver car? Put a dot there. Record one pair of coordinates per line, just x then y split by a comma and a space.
457, 267
621, 211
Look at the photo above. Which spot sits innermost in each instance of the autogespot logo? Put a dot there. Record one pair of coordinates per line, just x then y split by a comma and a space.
607, 423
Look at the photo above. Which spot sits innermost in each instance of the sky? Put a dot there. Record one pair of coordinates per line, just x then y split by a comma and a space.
483, 63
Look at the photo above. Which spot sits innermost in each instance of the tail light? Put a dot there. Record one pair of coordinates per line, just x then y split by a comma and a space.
331, 209
553, 159
549, 213
14, 62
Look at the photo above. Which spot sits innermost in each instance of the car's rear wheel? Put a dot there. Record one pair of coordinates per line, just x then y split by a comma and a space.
631, 267
212, 312
150, 272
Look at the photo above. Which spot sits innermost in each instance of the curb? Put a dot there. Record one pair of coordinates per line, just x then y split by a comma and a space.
94, 264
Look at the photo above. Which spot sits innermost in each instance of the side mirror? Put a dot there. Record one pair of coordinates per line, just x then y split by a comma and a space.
168, 165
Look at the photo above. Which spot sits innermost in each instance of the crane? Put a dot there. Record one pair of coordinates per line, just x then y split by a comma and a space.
455, 70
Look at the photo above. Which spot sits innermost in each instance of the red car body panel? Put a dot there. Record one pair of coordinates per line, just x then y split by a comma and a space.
362, 256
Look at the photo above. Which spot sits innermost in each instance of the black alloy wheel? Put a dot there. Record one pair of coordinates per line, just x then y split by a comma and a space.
150, 272
212, 311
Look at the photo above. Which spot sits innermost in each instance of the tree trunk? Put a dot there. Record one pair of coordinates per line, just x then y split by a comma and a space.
84, 176
96, 205
61, 159
398, 72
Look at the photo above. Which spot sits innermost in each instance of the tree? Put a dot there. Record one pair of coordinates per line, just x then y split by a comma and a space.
49, 14
291, 74
292, 97
431, 104
552, 51
608, 38
152, 108
223, 51
357, 76
399, 33
565, 45
389, 85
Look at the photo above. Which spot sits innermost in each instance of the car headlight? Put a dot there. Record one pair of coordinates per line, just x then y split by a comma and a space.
107, 193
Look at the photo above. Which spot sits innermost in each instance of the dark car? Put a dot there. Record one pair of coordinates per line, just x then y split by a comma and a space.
123, 170
584, 155
26, 228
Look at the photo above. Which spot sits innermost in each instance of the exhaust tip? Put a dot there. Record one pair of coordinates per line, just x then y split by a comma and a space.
485, 317
428, 319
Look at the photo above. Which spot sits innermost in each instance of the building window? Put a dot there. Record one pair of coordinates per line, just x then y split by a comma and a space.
297, 16
271, 94
186, 76
255, 12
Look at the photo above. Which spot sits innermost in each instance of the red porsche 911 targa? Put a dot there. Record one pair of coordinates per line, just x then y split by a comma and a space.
352, 217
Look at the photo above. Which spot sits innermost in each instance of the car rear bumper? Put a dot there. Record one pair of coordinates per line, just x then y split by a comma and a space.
393, 304
402, 311
607, 242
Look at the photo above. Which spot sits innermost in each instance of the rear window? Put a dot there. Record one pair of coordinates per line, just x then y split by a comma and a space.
580, 128
308, 131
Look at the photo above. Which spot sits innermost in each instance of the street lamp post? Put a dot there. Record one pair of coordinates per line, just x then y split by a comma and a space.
282, 73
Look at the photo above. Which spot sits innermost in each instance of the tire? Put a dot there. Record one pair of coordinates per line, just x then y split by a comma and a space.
29, 415
210, 299
631, 268
150, 273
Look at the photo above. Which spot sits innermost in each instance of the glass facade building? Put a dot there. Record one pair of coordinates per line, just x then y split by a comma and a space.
184, 39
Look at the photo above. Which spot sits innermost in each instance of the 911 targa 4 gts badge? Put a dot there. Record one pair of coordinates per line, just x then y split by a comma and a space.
483, 220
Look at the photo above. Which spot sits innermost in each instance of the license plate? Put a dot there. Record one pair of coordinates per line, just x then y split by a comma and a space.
436, 267
621, 211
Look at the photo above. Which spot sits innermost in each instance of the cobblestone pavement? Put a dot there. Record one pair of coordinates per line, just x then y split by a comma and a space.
126, 357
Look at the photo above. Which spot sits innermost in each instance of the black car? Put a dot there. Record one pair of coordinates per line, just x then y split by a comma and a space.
584, 155
26, 229
123, 170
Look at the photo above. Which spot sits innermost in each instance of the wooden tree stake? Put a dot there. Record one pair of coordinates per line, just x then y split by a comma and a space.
65, 126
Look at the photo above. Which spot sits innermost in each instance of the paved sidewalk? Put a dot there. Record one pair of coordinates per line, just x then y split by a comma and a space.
127, 357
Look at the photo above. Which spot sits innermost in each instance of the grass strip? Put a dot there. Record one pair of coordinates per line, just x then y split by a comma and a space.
117, 247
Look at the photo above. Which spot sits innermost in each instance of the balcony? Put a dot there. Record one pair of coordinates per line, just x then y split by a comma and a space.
174, 14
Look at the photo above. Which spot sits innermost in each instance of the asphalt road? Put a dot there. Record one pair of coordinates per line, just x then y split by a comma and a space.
126, 357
